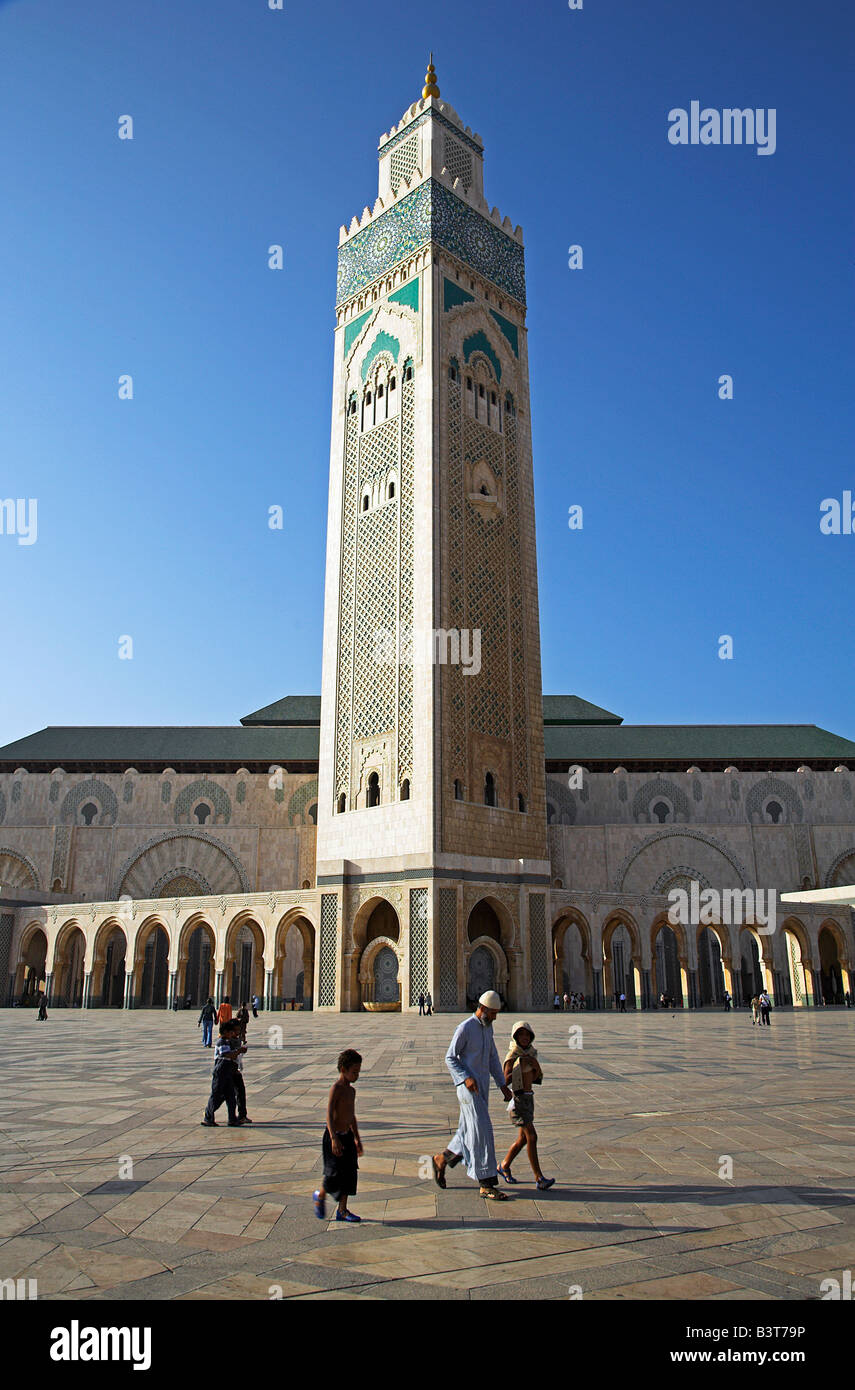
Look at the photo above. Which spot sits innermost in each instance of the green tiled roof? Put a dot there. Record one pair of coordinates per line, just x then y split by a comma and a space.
570, 709
292, 709
164, 747
657, 744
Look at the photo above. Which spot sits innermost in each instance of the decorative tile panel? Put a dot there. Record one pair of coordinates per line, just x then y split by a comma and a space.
419, 978
327, 950
431, 213
448, 948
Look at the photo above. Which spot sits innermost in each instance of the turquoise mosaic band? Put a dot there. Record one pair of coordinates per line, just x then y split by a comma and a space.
431, 213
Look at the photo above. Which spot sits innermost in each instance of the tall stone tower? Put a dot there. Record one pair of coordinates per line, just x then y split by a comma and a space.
432, 860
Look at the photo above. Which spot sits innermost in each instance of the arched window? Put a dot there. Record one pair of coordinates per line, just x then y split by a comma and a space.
202, 812
374, 789
312, 813
89, 812
521, 801
661, 812
351, 410
405, 789
365, 501
458, 789
775, 811
380, 392
342, 803
489, 790
408, 372
391, 491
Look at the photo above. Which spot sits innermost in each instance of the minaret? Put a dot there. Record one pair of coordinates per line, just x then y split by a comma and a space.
432, 859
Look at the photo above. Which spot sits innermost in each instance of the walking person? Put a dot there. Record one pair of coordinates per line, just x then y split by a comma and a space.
566, 1002
242, 1017
255, 1005
727, 1001
224, 1012
472, 1059
556, 1003
765, 1008
223, 1077
428, 1004
240, 1088
206, 1018
522, 1071
623, 1003
421, 1005
755, 1009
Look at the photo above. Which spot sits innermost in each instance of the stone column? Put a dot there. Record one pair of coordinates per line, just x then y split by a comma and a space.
268, 989
128, 1002
170, 989
49, 988
86, 997
219, 990
646, 989
596, 989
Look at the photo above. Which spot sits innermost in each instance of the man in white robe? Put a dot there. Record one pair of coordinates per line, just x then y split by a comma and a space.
472, 1059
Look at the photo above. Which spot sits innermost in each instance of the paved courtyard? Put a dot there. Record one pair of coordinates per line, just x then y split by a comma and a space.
636, 1125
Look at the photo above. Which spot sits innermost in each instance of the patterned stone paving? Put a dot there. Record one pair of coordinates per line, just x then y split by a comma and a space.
635, 1126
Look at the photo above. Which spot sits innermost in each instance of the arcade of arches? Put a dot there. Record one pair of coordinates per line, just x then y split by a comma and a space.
164, 961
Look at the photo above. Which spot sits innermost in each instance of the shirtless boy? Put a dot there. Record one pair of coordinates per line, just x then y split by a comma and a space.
341, 1142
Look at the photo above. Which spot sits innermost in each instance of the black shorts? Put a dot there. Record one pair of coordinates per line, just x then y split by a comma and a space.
340, 1170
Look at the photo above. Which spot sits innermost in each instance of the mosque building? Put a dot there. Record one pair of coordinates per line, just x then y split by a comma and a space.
431, 822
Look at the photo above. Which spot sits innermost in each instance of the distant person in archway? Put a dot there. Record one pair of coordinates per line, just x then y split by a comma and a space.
224, 1012
242, 1018
726, 1002
428, 1004
255, 1006
421, 1005
623, 1003
472, 1059
42, 1015
765, 1004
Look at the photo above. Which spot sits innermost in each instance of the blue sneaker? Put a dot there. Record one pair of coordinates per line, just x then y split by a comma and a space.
348, 1216
320, 1205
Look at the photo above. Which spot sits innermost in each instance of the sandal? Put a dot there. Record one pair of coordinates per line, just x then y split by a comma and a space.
492, 1194
506, 1173
543, 1184
438, 1174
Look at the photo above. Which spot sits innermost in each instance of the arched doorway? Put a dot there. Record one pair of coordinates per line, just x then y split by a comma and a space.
198, 983
67, 983
30, 975
751, 966
151, 976
619, 968
571, 954
711, 982
798, 958
243, 975
831, 975
482, 974
666, 964
295, 963
375, 928
385, 973
112, 984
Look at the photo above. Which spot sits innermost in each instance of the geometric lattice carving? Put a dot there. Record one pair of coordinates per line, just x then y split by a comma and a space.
62, 844
658, 786
448, 948
346, 601
458, 162
803, 852
841, 872
540, 981
679, 876
203, 790
782, 791
697, 789
302, 798
92, 788
563, 800
374, 682
487, 574
7, 921
419, 979
405, 670
3, 805
327, 950
404, 161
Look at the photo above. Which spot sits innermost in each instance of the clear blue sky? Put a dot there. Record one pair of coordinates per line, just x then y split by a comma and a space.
254, 127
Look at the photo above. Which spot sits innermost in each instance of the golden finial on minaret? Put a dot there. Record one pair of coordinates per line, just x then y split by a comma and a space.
430, 87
